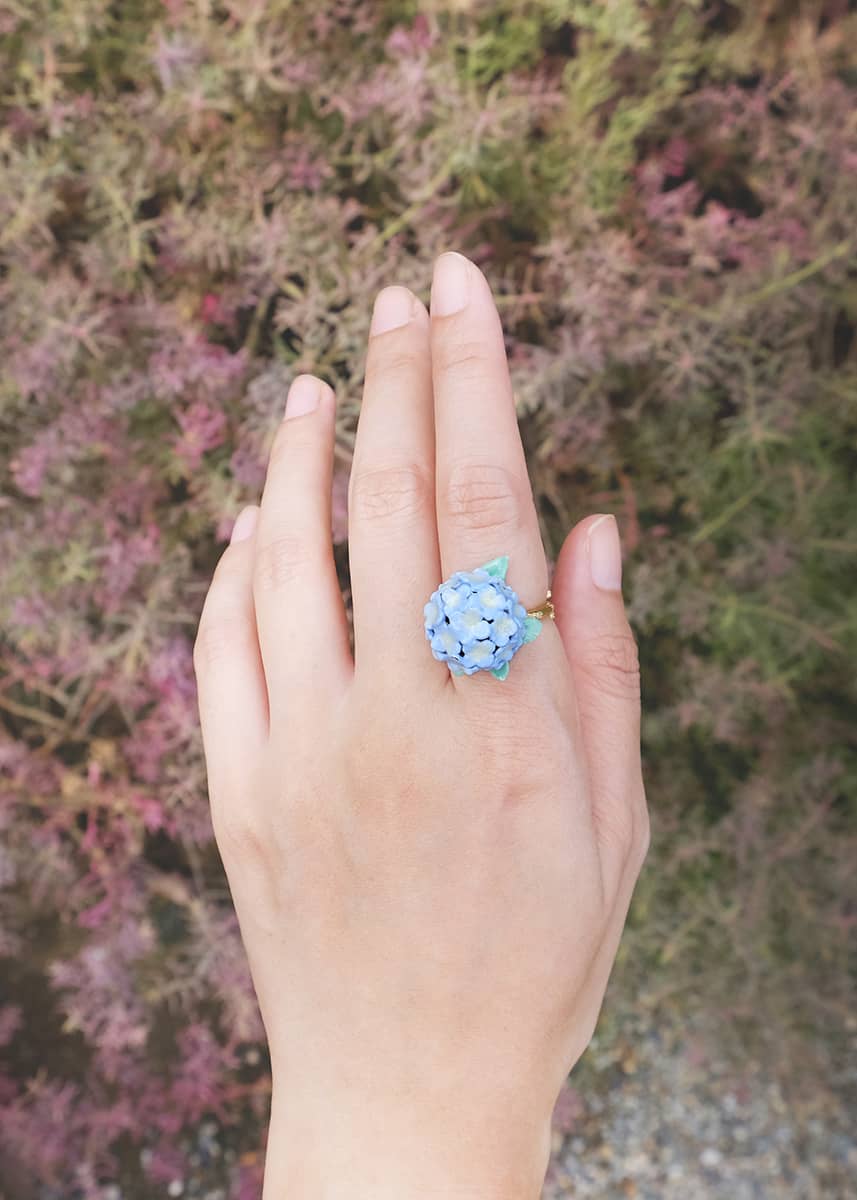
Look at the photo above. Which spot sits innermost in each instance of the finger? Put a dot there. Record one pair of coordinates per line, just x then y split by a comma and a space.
392, 534
233, 702
590, 616
303, 630
484, 500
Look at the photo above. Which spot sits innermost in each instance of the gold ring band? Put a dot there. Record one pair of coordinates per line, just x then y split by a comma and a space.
544, 610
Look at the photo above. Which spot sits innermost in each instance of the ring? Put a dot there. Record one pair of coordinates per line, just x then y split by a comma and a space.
475, 621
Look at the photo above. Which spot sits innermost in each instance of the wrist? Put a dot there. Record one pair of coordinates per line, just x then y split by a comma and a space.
393, 1152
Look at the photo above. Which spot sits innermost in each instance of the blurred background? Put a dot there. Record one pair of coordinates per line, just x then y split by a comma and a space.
200, 199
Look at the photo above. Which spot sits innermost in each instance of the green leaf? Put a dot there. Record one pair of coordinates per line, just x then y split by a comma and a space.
497, 567
532, 629
501, 672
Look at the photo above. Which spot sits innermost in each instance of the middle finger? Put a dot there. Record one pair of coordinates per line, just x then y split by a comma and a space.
392, 534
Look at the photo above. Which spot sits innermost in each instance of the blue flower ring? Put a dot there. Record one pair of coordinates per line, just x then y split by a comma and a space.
475, 621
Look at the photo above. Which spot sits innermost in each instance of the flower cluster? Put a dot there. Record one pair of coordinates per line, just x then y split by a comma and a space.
475, 622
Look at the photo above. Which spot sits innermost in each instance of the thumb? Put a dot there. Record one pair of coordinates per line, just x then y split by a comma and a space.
599, 644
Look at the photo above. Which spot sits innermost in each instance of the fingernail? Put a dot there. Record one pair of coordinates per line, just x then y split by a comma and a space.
450, 287
303, 396
605, 554
393, 307
244, 525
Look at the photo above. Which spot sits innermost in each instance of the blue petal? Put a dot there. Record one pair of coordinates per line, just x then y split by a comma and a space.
446, 643
479, 655
503, 629
491, 600
453, 599
468, 628
432, 613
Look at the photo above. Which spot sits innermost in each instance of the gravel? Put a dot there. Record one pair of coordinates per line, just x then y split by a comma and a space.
671, 1115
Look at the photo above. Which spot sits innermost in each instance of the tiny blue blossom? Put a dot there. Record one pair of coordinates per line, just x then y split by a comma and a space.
475, 621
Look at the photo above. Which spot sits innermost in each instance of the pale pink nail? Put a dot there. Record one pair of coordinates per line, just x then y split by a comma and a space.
450, 288
303, 396
605, 554
393, 308
244, 525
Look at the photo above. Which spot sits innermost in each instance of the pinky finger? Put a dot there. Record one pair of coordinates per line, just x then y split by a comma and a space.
233, 699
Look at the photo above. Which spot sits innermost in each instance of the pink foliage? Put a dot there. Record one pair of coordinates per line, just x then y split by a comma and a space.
203, 428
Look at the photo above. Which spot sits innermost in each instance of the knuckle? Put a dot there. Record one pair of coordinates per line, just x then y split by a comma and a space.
280, 561
483, 496
214, 633
389, 363
623, 825
383, 492
466, 360
239, 834
522, 758
616, 828
613, 662
215, 639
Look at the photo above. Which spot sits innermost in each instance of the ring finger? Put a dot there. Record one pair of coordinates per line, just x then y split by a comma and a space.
484, 500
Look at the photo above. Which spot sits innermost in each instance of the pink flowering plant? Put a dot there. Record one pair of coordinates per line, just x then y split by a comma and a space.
198, 203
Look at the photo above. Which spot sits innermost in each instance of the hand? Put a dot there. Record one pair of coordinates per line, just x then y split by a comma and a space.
431, 873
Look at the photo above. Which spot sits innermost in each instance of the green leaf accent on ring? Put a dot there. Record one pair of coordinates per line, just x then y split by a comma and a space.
497, 566
532, 629
501, 672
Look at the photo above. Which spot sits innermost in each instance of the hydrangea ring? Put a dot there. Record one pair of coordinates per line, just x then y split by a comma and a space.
475, 621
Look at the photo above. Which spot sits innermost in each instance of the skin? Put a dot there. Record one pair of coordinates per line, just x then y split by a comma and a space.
431, 873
